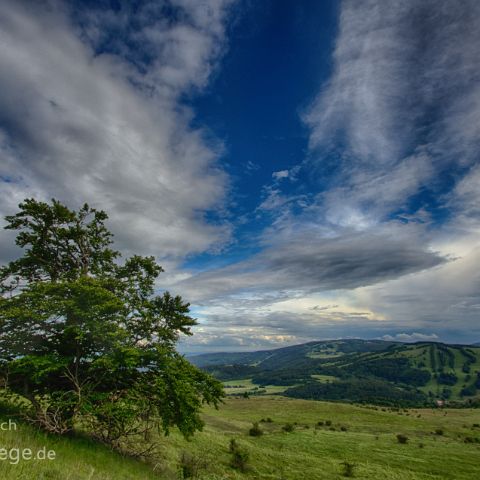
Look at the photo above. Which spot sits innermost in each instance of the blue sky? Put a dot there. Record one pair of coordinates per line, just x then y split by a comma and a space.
301, 169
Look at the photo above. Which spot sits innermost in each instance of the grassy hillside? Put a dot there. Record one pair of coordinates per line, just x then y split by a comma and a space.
75, 458
441, 444
285, 357
407, 374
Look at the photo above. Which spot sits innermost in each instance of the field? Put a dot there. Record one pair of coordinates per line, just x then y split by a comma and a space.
442, 444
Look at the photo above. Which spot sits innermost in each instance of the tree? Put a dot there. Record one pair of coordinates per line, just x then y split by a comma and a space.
83, 337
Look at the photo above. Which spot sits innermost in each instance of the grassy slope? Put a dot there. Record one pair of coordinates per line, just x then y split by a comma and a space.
76, 459
307, 453
421, 353
369, 441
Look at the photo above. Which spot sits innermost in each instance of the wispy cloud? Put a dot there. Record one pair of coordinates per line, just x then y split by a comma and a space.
401, 109
311, 263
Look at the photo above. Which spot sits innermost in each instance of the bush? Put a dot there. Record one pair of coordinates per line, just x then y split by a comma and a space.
233, 445
343, 428
402, 438
348, 469
447, 378
190, 465
439, 431
320, 424
255, 431
328, 423
288, 427
240, 457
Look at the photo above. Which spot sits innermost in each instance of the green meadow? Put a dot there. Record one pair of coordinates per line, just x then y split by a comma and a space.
440, 444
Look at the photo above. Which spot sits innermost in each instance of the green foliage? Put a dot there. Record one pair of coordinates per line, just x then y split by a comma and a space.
288, 427
348, 469
447, 378
255, 431
394, 370
433, 360
190, 465
240, 457
401, 438
231, 372
468, 391
84, 338
233, 445
358, 390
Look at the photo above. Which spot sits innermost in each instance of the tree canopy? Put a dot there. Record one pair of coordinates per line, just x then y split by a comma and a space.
84, 338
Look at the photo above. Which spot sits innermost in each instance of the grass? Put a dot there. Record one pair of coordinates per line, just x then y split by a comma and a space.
370, 442
75, 459
310, 451
237, 387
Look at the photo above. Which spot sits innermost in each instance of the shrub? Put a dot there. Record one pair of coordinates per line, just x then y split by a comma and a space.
447, 378
190, 465
328, 423
233, 445
288, 427
320, 424
439, 431
402, 438
348, 469
255, 431
269, 420
343, 428
239, 459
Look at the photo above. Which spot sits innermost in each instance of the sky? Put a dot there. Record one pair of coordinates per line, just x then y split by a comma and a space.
303, 170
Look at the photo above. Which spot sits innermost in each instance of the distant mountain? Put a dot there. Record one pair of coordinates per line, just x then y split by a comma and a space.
372, 371
284, 356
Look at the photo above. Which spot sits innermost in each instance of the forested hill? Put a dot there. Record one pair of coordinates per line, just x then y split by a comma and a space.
286, 355
358, 370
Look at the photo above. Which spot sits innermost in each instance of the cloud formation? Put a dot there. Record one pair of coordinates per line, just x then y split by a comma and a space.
87, 116
401, 111
391, 235
311, 263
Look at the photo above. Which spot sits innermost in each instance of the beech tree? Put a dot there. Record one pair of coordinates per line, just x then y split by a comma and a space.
83, 337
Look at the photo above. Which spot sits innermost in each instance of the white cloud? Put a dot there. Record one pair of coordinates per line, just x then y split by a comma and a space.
401, 109
280, 174
81, 126
411, 337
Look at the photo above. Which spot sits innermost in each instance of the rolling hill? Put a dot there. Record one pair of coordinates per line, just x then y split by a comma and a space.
372, 371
